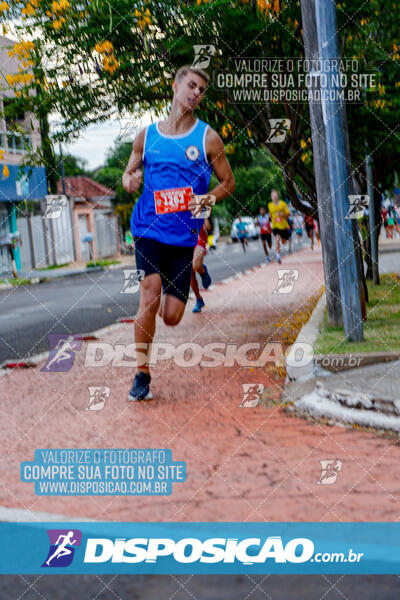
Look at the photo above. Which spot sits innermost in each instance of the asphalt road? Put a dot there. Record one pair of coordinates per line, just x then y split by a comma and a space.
84, 303
87, 302
200, 587
389, 262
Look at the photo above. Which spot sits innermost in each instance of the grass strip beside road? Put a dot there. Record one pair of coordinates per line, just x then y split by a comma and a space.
382, 328
52, 267
102, 262
13, 281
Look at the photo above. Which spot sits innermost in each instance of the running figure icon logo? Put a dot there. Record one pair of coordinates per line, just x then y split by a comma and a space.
329, 471
128, 128
62, 352
133, 277
62, 547
251, 394
54, 206
204, 202
286, 280
202, 55
97, 397
279, 129
358, 204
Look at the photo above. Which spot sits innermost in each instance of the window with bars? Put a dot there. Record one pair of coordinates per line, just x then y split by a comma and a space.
18, 142
15, 141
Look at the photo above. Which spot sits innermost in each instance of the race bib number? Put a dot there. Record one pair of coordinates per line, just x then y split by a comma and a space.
173, 200
278, 219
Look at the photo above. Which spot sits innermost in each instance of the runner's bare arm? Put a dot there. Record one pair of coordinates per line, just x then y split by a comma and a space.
221, 167
132, 177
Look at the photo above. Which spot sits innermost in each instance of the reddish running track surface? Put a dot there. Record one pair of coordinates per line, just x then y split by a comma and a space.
243, 464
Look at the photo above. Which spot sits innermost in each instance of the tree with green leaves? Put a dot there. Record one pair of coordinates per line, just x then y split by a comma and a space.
73, 165
91, 59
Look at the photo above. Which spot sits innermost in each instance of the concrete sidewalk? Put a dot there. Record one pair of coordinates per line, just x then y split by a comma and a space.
242, 463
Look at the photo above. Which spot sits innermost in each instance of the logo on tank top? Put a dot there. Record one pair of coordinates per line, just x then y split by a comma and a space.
192, 152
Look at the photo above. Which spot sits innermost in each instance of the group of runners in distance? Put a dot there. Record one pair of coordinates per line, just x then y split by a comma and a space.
178, 156
280, 223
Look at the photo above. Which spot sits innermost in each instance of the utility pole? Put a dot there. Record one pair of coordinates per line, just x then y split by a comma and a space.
331, 109
373, 234
62, 169
321, 170
69, 201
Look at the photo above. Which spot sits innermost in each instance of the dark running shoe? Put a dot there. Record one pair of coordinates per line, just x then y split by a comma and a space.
205, 278
141, 387
198, 306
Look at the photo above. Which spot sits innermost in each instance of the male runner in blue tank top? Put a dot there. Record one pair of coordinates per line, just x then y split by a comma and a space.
180, 152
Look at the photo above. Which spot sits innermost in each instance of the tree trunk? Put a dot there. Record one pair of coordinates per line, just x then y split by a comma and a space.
48, 154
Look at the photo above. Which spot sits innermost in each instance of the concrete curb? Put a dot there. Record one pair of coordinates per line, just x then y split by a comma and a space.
349, 408
337, 363
36, 359
36, 280
302, 368
388, 249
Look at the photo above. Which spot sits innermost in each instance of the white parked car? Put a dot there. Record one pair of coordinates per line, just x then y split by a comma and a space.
252, 230
216, 230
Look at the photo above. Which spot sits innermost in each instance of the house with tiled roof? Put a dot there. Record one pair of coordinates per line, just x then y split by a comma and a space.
93, 214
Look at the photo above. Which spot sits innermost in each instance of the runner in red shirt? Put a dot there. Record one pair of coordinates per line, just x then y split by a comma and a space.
198, 267
309, 224
265, 231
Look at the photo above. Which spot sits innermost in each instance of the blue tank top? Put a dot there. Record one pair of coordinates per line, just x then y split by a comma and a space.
172, 162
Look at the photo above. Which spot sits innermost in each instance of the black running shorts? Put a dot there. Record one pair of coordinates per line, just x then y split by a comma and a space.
284, 233
266, 237
172, 263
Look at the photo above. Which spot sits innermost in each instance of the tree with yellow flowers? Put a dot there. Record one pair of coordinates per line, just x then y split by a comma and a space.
91, 59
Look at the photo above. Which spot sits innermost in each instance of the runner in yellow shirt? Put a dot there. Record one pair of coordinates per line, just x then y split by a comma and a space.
279, 213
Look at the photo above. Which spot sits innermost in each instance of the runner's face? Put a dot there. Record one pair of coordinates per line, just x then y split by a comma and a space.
189, 90
274, 197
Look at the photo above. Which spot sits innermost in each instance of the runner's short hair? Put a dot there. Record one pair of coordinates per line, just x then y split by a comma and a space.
182, 71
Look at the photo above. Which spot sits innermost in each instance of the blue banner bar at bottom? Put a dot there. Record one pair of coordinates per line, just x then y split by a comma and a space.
195, 548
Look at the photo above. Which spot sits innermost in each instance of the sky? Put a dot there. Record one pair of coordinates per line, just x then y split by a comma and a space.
95, 141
